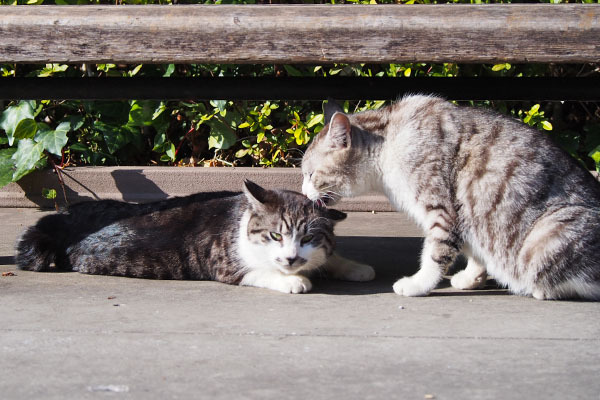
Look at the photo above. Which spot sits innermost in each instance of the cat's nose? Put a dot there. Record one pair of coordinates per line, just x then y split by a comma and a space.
291, 260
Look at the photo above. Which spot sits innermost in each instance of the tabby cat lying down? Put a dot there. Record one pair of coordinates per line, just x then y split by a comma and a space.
264, 238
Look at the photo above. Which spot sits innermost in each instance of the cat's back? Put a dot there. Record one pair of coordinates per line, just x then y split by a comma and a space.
172, 239
479, 144
92, 222
210, 213
507, 153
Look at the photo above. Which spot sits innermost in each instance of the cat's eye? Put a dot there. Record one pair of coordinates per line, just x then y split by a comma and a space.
276, 236
306, 239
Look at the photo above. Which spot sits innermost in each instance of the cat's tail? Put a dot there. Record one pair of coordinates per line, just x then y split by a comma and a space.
42, 246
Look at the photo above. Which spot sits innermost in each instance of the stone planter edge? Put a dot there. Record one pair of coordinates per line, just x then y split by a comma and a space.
142, 184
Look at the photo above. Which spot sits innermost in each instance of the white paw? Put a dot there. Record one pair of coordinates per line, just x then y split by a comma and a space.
294, 284
360, 273
357, 272
464, 281
538, 294
408, 287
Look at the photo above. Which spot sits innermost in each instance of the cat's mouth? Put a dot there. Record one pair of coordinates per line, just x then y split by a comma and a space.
291, 270
322, 202
327, 199
295, 266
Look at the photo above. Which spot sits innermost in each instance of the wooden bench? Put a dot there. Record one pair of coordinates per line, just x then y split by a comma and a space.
295, 34
283, 34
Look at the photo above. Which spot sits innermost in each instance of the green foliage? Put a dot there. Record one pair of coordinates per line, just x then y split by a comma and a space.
49, 194
535, 117
14, 118
34, 134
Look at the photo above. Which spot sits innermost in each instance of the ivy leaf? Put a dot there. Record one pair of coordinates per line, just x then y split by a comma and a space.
7, 166
28, 154
54, 140
26, 129
76, 122
11, 117
114, 136
221, 136
171, 152
159, 142
142, 113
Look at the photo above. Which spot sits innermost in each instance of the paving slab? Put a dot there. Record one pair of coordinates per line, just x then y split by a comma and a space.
75, 336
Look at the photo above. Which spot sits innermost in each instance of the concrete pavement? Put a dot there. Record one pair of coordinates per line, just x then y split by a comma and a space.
73, 336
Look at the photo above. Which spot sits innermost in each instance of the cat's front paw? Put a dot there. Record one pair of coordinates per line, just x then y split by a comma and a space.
408, 287
294, 284
276, 280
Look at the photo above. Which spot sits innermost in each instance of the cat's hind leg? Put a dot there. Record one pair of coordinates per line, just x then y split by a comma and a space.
571, 289
473, 276
338, 267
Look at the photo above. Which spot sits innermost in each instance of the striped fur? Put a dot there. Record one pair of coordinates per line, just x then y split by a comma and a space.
226, 237
520, 208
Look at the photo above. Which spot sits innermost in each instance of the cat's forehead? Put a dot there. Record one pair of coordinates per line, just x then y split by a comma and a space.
318, 158
292, 211
316, 155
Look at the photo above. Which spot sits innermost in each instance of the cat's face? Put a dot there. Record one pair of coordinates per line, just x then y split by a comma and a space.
286, 231
329, 165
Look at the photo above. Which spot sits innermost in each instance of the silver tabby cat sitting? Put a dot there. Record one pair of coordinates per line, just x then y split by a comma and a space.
264, 238
520, 209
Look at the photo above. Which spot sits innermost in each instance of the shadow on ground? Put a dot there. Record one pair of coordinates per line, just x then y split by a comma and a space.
392, 258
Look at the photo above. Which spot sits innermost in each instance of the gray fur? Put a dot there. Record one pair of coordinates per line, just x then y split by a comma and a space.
520, 208
220, 236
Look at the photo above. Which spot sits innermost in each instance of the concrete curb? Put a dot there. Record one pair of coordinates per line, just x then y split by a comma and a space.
142, 184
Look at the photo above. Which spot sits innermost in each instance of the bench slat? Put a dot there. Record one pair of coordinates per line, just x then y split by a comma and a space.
300, 34
536, 89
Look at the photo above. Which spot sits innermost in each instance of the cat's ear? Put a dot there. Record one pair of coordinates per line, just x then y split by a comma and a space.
335, 215
339, 132
256, 195
330, 108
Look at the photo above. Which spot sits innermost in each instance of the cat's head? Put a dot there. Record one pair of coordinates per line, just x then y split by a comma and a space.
286, 231
334, 165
